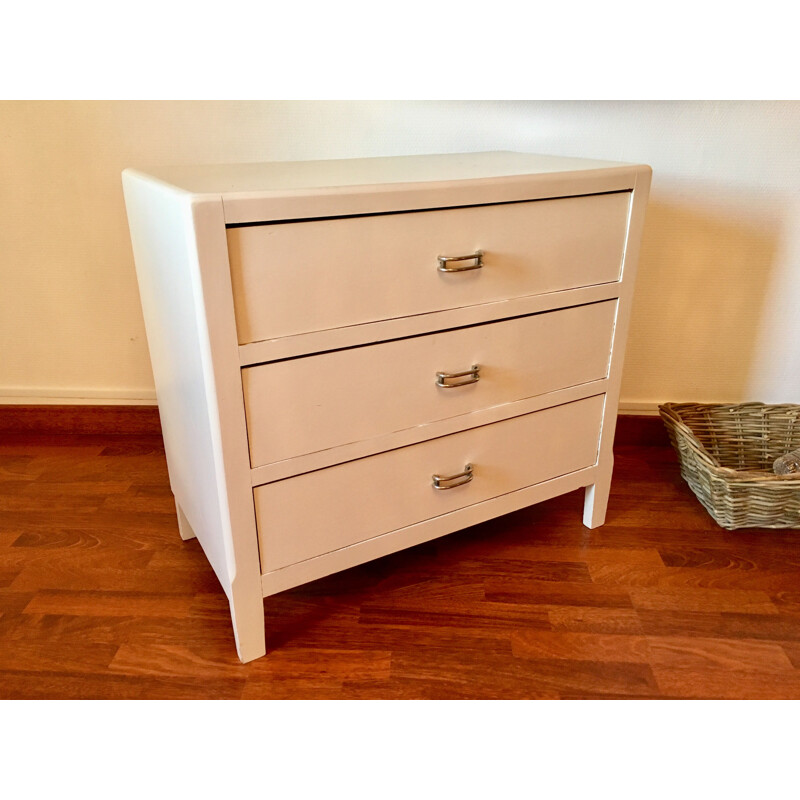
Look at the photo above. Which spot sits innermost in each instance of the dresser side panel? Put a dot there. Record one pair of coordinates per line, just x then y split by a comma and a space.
166, 261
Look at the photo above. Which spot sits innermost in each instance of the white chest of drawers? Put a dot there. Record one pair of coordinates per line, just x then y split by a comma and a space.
353, 357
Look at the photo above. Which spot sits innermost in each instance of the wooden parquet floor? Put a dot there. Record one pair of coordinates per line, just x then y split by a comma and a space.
99, 597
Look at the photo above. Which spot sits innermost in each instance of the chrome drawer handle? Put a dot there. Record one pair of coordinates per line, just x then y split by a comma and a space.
477, 257
451, 481
471, 376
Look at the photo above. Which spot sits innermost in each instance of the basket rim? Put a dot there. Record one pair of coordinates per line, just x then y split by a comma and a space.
670, 414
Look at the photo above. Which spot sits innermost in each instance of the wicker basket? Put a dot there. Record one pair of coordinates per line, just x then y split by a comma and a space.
726, 454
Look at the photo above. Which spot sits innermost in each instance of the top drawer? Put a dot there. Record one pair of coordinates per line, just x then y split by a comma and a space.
297, 277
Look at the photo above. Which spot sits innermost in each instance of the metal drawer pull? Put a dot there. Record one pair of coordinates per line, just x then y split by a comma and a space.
471, 375
477, 257
451, 481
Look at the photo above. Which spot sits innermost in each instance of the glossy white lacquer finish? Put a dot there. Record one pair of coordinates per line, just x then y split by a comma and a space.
305, 276
361, 393
373, 496
181, 262
330, 287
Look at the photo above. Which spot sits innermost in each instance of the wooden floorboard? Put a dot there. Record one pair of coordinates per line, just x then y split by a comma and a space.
99, 597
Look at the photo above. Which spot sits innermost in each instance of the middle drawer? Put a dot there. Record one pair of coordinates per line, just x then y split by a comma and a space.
314, 403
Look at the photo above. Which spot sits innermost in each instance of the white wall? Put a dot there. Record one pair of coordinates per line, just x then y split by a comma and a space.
715, 317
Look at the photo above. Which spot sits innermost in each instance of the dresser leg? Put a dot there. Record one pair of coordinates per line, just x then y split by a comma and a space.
247, 615
247, 607
184, 528
596, 500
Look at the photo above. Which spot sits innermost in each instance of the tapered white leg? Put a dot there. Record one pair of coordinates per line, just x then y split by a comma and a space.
184, 528
596, 499
247, 607
247, 615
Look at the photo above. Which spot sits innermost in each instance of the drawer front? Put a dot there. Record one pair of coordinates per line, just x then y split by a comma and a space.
296, 277
312, 514
315, 403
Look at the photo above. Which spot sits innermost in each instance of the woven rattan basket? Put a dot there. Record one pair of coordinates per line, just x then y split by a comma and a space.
726, 454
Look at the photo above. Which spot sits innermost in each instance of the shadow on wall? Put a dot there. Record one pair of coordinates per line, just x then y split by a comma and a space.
699, 301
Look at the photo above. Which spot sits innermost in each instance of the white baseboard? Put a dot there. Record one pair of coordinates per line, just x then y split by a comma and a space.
638, 409
125, 397
121, 397
76, 397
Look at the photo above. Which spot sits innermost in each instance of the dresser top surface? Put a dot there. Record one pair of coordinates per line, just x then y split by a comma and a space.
288, 177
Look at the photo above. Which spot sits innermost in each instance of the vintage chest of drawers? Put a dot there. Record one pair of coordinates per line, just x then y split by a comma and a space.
352, 357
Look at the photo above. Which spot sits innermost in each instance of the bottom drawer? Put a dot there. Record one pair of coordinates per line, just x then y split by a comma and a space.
318, 512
